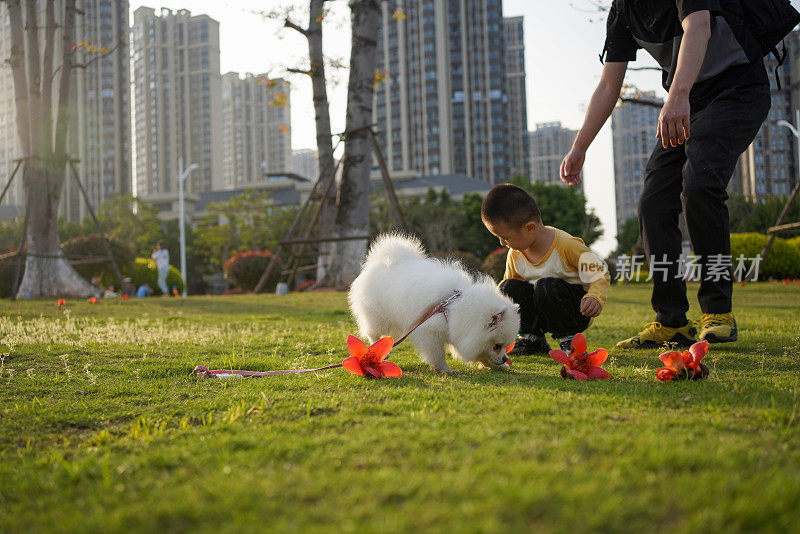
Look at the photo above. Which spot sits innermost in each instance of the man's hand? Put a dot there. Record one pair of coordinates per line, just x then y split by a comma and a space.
590, 307
673, 121
571, 167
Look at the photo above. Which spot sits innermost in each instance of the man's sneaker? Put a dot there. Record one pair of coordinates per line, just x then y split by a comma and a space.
528, 345
655, 335
565, 343
718, 327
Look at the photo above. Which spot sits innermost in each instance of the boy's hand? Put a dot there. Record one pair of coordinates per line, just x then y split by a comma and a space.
590, 307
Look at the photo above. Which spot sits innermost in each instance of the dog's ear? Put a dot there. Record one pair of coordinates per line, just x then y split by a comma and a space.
495, 320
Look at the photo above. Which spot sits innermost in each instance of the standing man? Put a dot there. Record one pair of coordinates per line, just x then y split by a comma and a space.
161, 255
718, 98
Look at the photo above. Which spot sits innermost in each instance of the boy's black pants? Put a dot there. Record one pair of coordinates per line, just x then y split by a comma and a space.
693, 177
547, 305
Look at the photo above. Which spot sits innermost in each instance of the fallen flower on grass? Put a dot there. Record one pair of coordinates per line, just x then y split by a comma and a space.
124, 296
579, 364
61, 302
92, 300
364, 361
684, 365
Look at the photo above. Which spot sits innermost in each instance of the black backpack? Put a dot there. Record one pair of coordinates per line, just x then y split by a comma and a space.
770, 21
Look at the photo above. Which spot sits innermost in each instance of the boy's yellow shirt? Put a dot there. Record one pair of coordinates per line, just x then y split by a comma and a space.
561, 261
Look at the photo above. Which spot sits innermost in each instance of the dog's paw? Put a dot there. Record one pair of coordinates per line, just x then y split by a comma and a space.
504, 367
446, 371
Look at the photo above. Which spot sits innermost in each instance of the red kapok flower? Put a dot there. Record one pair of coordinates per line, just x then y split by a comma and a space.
579, 364
124, 296
92, 300
685, 365
370, 361
61, 302
509, 349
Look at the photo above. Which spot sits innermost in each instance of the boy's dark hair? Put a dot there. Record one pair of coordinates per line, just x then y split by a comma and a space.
162, 244
511, 205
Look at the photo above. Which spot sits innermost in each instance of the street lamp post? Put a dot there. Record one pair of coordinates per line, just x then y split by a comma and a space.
773, 231
795, 132
182, 175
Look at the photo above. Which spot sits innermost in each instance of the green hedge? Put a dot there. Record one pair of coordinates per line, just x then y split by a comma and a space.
92, 246
245, 269
144, 270
783, 259
795, 242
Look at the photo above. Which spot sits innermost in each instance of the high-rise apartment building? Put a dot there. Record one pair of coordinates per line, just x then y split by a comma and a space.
256, 130
442, 107
177, 101
99, 133
633, 130
769, 165
306, 163
549, 143
517, 109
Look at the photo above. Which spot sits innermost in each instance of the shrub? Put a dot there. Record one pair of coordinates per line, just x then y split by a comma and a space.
495, 264
783, 260
144, 270
245, 269
795, 242
92, 246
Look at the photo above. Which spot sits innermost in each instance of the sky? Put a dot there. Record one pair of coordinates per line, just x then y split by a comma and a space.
562, 41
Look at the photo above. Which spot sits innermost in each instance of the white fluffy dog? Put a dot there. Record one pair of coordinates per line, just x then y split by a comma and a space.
399, 285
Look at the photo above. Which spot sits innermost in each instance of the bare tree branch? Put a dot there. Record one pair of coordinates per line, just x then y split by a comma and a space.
289, 24
47, 68
17, 62
63, 109
34, 74
300, 71
100, 56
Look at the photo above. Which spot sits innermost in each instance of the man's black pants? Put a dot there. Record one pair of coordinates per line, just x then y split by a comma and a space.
694, 177
547, 305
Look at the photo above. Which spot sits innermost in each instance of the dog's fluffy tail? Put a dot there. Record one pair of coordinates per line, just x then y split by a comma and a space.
391, 249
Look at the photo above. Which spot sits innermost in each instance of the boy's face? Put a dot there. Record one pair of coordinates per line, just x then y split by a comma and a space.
517, 238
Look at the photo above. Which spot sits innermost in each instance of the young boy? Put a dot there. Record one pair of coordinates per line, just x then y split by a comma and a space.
559, 284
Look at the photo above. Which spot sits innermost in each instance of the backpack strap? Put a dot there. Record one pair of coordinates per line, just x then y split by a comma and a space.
603, 53
780, 58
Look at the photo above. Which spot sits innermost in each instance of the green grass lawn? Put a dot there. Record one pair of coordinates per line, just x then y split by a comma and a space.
102, 429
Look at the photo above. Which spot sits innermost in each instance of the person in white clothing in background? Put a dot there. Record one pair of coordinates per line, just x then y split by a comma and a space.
161, 255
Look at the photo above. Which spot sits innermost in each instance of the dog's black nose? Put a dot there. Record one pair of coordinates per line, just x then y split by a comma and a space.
505, 359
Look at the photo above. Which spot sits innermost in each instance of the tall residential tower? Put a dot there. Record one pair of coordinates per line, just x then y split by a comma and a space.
633, 130
256, 129
442, 108
99, 134
517, 109
177, 103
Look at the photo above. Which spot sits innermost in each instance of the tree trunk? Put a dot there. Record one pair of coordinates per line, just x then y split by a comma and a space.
352, 207
47, 273
323, 123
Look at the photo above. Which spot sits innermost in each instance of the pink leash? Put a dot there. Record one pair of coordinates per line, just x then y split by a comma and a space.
204, 372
